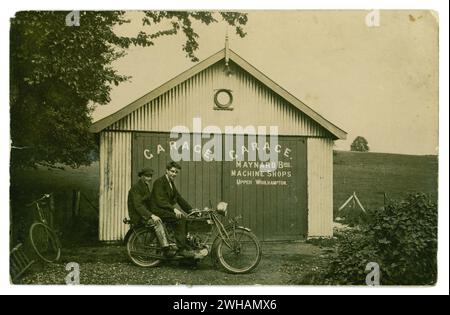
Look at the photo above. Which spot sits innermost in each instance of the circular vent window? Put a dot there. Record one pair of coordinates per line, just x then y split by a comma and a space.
223, 98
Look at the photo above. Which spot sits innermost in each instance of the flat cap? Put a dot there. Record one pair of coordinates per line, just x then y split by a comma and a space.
147, 171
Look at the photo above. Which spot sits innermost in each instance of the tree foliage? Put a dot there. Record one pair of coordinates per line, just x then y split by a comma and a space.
360, 144
59, 72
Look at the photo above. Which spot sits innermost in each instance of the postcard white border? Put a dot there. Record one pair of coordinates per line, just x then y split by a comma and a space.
7, 11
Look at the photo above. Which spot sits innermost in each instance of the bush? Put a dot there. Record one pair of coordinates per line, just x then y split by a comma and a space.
353, 216
402, 239
322, 241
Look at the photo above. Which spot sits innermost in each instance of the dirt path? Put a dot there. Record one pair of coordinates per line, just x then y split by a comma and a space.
281, 263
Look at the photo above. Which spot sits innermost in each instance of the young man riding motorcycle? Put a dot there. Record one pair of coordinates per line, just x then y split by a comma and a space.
163, 202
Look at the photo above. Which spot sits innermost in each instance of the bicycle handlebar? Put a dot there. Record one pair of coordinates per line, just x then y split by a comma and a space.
45, 196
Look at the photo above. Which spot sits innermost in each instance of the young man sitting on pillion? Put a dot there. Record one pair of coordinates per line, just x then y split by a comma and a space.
139, 205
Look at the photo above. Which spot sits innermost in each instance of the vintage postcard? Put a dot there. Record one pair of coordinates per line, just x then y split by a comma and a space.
295, 147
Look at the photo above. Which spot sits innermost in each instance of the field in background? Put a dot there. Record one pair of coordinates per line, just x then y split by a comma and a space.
368, 174
371, 175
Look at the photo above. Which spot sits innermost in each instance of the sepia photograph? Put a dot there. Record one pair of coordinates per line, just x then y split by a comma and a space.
224, 148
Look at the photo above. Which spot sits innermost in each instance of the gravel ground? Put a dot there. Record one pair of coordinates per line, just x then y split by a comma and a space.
281, 264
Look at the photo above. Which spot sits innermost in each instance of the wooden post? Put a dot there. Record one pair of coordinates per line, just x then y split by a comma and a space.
355, 200
345, 203
76, 194
385, 199
51, 215
359, 203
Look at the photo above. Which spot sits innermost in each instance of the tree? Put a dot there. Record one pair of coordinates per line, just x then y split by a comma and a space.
58, 73
360, 144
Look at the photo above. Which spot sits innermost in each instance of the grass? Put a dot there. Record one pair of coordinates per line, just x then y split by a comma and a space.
371, 175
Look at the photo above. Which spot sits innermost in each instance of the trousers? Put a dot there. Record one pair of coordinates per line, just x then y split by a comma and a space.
179, 228
161, 234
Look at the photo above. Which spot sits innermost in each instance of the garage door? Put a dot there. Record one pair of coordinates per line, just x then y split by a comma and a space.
273, 204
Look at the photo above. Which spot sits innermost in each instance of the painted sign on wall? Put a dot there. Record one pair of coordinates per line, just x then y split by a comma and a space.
270, 196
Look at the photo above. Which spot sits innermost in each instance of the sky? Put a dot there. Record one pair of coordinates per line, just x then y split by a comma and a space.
379, 82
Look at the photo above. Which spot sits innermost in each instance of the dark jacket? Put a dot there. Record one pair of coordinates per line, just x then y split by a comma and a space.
164, 199
139, 203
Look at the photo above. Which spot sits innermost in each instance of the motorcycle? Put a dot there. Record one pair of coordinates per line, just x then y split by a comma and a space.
235, 248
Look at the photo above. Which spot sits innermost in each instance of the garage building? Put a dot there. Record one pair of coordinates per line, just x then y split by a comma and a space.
292, 202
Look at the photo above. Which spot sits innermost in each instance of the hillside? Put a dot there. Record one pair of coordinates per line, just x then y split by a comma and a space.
372, 174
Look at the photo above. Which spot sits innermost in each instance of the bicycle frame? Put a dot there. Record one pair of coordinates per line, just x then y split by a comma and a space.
42, 234
41, 215
40, 211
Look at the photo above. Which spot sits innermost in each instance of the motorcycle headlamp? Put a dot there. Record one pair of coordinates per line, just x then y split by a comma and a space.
222, 208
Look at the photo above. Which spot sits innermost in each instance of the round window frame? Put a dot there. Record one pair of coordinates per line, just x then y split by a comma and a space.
216, 98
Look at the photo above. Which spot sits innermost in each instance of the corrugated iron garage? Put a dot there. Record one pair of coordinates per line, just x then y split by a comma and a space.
293, 202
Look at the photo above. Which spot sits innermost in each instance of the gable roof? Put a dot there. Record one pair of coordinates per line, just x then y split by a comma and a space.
109, 120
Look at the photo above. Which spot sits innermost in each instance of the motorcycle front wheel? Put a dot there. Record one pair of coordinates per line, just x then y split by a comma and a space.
241, 253
143, 248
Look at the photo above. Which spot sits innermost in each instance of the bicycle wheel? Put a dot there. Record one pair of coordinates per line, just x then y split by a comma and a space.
242, 254
45, 242
143, 248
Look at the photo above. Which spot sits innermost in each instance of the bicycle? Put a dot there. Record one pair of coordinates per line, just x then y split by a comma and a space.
43, 237
233, 246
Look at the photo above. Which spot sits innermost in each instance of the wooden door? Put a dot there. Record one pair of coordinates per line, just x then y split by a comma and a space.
273, 204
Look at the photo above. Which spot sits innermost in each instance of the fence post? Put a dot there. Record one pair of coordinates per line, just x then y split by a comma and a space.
52, 215
76, 194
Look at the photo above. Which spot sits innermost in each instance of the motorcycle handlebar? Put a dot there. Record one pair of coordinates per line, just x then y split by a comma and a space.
198, 211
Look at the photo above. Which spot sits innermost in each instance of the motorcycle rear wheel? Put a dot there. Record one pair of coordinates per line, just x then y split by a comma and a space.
143, 248
242, 254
